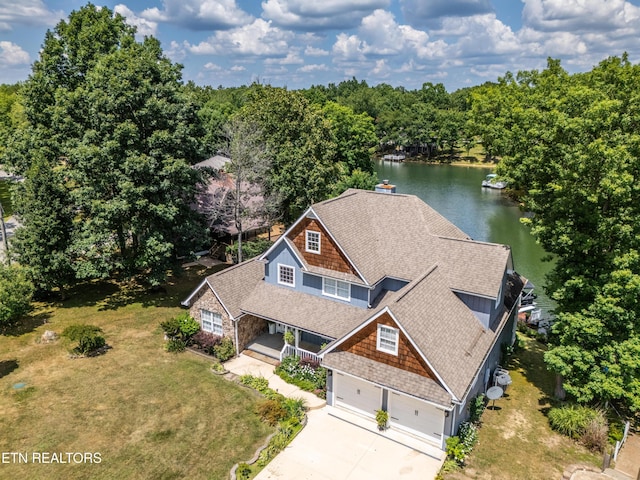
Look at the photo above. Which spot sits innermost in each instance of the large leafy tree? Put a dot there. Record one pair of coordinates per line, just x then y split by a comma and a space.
572, 145
110, 116
301, 143
15, 294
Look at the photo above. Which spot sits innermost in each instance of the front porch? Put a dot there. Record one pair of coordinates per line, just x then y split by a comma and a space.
271, 344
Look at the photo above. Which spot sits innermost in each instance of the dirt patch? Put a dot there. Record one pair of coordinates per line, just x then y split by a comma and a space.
515, 424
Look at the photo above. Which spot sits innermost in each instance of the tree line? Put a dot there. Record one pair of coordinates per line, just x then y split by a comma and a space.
570, 146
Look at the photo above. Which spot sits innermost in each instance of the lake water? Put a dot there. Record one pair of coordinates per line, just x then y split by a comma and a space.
482, 213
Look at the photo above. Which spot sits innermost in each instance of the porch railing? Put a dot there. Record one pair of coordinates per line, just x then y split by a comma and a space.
290, 350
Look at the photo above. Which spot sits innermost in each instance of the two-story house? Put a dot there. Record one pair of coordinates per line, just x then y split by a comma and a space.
406, 312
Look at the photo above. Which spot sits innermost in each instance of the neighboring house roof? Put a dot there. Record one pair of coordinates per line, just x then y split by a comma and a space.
217, 162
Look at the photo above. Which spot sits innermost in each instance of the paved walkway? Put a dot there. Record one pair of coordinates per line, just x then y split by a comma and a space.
629, 457
245, 365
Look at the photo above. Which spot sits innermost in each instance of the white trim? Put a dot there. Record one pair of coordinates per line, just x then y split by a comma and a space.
380, 347
318, 241
326, 294
214, 316
293, 275
197, 289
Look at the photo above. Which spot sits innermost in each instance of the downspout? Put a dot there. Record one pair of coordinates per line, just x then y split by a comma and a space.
235, 333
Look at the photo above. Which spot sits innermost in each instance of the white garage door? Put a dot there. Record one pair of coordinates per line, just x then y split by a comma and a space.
416, 416
357, 394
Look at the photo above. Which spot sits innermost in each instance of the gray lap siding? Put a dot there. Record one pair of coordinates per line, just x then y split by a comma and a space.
206, 300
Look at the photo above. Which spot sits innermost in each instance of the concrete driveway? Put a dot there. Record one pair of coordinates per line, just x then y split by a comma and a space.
330, 448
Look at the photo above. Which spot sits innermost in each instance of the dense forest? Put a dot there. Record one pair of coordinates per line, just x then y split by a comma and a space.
105, 134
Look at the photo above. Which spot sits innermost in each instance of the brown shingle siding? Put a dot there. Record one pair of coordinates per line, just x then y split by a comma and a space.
329, 257
364, 344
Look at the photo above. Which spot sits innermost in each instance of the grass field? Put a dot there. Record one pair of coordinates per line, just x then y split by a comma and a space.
148, 413
515, 439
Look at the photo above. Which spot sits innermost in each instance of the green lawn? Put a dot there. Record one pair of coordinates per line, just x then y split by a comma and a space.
5, 198
515, 439
148, 413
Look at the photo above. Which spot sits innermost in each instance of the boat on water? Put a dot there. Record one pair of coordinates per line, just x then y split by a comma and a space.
491, 181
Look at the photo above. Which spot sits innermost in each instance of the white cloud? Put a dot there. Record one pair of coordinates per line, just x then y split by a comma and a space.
292, 58
212, 67
238, 68
144, 26
258, 38
480, 35
13, 55
381, 69
199, 14
417, 12
316, 67
26, 12
581, 15
379, 34
315, 52
325, 14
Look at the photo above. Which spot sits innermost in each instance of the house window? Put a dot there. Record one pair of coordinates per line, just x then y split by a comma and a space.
313, 241
211, 322
286, 275
387, 339
336, 288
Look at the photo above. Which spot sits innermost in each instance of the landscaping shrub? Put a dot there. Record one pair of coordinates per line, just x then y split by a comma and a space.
260, 384
468, 434
276, 409
175, 345
306, 374
476, 408
272, 411
455, 450
596, 434
87, 336
571, 420
182, 326
224, 350
243, 471
206, 341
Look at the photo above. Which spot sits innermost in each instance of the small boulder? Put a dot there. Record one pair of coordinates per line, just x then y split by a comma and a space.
49, 336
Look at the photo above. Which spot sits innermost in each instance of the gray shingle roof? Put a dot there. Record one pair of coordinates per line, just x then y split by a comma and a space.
443, 328
233, 284
388, 376
400, 236
302, 310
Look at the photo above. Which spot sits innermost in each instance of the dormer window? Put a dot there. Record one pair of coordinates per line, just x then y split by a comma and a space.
313, 241
387, 340
286, 275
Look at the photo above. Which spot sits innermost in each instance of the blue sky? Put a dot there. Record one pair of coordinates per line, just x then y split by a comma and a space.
298, 43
